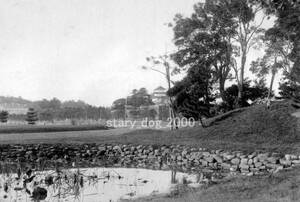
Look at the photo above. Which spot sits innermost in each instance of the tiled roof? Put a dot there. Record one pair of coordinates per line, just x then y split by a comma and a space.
159, 88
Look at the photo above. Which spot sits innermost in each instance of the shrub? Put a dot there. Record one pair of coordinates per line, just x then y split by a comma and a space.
3, 116
32, 116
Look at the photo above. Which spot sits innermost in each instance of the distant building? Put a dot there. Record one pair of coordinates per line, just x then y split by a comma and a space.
158, 111
159, 96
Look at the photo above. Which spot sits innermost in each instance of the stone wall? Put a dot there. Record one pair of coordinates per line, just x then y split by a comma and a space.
178, 157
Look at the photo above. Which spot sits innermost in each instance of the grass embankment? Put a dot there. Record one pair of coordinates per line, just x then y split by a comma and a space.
255, 128
48, 128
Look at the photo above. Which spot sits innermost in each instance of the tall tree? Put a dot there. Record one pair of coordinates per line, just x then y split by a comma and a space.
162, 65
287, 21
205, 36
118, 108
275, 59
248, 33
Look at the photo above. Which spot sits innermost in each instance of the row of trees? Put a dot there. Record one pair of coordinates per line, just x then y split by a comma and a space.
213, 46
31, 116
54, 109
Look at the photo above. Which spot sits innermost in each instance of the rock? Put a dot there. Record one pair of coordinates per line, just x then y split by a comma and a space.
258, 164
209, 159
219, 151
206, 154
228, 156
101, 148
244, 161
251, 156
271, 165
285, 162
179, 158
273, 160
250, 174
184, 152
244, 166
173, 157
255, 170
117, 148
203, 162
233, 168
239, 154
287, 157
156, 152
296, 161
262, 167
278, 168
225, 166
218, 158
235, 161
196, 162
262, 157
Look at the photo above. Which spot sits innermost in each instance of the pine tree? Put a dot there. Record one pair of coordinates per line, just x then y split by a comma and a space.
3, 116
32, 116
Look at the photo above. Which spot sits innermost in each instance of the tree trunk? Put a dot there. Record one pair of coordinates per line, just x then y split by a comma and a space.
272, 80
271, 85
241, 82
222, 89
171, 108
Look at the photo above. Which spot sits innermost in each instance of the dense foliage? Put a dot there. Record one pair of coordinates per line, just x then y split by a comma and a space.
214, 42
186, 93
251, 93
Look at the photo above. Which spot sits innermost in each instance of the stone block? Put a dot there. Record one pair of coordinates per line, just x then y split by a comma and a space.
235, 161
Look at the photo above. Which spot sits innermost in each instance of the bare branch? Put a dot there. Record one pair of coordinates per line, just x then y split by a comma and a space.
256, 28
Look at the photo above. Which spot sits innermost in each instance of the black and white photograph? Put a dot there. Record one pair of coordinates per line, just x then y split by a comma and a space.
149, 100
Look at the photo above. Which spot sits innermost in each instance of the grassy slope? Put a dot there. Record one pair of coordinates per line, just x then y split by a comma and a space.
255, 128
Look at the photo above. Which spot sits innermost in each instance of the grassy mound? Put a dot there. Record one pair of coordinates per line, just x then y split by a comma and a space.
250, 129
258, 124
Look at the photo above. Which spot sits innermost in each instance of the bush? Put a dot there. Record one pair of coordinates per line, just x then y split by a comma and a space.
3, 116
32, 116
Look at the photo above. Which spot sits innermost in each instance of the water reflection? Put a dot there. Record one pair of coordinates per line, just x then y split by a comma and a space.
89, 184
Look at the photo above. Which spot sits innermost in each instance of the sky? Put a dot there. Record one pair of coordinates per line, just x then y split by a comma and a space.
90, 50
